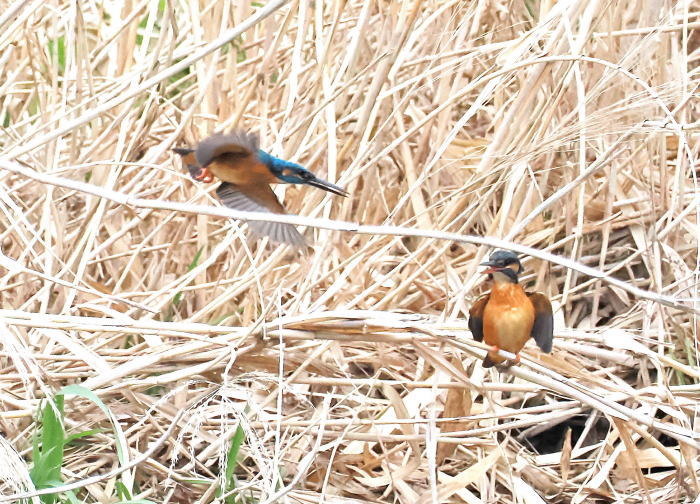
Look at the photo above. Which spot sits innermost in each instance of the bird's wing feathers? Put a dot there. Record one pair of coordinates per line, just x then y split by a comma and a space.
260, 199
237, 143
543, 328
232, 197
279, 232
476, 317
250, 198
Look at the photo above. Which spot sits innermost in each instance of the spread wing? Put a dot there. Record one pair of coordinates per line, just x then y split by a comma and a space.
476, 317
260, 198
235, 145
543, 328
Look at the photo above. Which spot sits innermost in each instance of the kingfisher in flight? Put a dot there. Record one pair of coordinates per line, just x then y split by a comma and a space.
507, 317
246, 173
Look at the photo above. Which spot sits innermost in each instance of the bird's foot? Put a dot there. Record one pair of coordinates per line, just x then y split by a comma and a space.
508, 363
204, 176
511, 362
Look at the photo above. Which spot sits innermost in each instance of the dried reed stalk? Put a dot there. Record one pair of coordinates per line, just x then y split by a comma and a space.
565, 131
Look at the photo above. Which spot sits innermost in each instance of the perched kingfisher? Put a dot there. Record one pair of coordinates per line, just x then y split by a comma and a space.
508, 316
246, 173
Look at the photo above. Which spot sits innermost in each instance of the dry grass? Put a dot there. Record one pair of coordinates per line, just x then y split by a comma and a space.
569, 128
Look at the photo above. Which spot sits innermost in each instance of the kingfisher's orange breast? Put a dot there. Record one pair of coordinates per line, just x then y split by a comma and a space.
243, 172
508, 318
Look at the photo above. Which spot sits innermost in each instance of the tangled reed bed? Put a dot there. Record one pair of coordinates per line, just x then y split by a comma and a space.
566, 129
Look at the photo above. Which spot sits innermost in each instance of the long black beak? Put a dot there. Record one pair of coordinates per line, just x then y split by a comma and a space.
327, 186
493, 267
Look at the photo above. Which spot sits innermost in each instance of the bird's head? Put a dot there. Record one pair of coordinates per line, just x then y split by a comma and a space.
292, 173
189, 160
504, 266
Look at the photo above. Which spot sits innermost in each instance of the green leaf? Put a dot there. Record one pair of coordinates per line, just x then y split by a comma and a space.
233, 450
142, 24
531, 8
34, 105
72, 498
231, 463
193, 481
52, 438
195, 261
47, 450
79, 435
122, 491
57, 49
91, 396
156, 390
218, 320
120, 438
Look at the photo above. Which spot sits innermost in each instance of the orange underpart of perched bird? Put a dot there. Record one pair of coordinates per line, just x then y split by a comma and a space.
507, 317
246, 173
